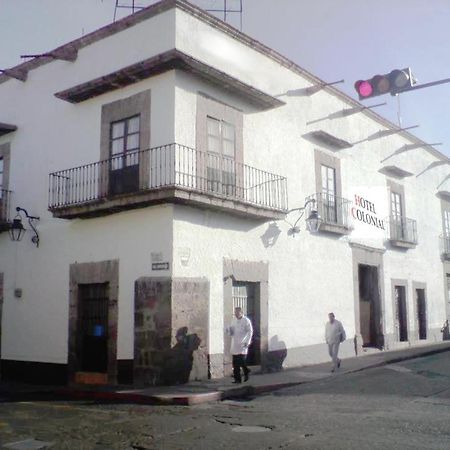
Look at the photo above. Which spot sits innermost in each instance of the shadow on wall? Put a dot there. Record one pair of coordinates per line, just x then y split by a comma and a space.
178, 363
275, 356
270, 236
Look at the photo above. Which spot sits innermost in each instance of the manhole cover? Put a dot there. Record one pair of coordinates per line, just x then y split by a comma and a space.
250, 429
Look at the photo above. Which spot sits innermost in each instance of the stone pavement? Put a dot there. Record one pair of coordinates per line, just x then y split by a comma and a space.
214, 390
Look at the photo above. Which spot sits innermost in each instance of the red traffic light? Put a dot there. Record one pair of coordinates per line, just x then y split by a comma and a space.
364, 89
394, 82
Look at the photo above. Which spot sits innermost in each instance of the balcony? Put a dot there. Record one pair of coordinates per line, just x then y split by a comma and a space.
402, 232
171, 173
334, 212
445, 246
5, 201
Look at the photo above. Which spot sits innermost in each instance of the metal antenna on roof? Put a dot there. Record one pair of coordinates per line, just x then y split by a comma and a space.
223, 9
226, 8
132, 5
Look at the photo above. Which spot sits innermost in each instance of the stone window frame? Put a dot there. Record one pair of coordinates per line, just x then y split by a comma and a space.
446, 270
323, 159
135, 105
400, 190
369, 256
341, 227
5, 154
419, 285
5, 208
2, 283
400, 282
90, 273
445, 207
208, 107
250, 272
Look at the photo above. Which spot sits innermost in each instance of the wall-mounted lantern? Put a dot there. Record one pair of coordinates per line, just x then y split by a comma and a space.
17, 230
312, 222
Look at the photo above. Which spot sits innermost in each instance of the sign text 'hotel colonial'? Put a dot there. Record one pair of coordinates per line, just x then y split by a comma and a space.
364, 211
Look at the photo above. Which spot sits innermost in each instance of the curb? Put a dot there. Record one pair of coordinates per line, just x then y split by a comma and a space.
196, 398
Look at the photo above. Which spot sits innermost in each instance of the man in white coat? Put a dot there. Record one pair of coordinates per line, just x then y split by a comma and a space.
241, 332
334, 335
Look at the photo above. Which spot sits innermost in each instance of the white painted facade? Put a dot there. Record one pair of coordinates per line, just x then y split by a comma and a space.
309, 274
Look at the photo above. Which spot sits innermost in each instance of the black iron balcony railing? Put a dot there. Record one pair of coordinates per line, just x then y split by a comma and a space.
445, 243
168, 166
402, 229
332, 210
5, 199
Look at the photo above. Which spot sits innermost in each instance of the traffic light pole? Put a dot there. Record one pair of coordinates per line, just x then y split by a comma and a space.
421, 86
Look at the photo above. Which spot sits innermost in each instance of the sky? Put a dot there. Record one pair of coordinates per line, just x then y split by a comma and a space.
333, 39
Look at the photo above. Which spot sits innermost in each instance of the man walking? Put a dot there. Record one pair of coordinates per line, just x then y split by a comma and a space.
334, 335
241, 332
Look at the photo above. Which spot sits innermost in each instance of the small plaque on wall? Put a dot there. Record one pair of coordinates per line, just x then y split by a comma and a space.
160, 266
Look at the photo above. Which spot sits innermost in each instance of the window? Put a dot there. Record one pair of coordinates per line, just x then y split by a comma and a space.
401, 313
1, 176
4, 182
125, 134
221, 150
328, 175
124, 151
124, 141
219, 141
397, 215
447, 224
332, 208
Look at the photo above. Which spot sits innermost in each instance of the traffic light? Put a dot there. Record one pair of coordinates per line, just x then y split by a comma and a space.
394, 82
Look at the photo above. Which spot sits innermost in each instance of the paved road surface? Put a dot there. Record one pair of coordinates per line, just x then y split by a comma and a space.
400, 406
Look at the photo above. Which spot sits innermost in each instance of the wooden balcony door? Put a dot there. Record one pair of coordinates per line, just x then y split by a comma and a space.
330, 212
124, 156
221, 153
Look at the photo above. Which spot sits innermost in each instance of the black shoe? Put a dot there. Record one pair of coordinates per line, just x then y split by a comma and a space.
246, 377
339, 364
236, 381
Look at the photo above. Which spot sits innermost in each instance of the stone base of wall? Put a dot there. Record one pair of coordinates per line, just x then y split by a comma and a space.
52, 374
216, 365
171, 330
434, 336
33, 372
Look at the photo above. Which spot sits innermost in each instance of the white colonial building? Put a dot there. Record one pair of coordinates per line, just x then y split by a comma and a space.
168, 158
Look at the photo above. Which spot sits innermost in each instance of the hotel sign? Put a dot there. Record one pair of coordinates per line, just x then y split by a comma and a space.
364, 211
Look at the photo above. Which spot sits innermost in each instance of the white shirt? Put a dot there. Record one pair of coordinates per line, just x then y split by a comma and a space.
334, 332
241, 332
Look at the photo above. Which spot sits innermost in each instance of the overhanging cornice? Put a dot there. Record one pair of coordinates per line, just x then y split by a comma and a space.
6, 128
171, 60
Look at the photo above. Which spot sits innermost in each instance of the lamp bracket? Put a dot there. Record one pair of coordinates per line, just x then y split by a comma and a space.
294, 228
31, 220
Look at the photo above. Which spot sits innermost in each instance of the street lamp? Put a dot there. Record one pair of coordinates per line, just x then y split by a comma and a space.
312, 222
17, 230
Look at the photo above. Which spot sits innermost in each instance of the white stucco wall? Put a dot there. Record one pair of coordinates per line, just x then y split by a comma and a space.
53, 135
309, 275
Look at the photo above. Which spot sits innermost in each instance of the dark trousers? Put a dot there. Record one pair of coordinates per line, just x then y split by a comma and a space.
238, 362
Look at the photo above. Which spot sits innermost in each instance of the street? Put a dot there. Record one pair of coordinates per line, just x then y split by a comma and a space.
398, 406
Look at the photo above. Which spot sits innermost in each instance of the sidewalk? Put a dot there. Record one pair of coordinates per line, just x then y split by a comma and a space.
221, 389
